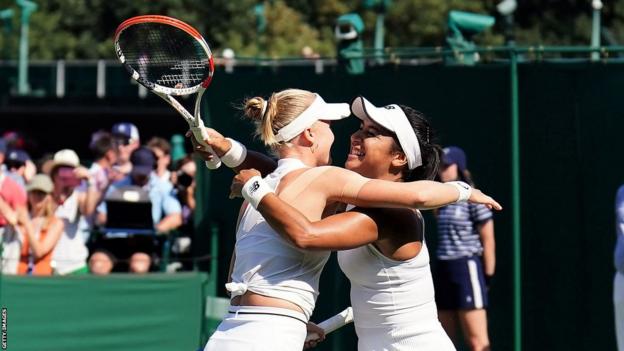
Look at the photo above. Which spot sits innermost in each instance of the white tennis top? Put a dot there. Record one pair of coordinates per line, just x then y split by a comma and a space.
393, 301
269, 265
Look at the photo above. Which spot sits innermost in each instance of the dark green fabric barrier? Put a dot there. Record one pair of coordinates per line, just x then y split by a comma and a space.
570, 123
117, 312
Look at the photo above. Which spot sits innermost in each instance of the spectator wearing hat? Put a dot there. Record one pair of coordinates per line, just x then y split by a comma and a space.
45, 230
466, 259
126, 139
15, 161
166, 209
76, 197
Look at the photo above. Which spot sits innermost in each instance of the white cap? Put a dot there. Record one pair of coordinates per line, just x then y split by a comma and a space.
66, 157
393, 119
318, 110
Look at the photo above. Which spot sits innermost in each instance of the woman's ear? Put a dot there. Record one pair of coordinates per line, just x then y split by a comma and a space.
307, 137
399, 159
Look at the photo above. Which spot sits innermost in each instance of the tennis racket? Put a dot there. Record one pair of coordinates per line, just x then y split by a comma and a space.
169, 58
329, 325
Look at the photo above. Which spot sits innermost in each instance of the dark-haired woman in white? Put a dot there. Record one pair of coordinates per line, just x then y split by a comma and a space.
274, 283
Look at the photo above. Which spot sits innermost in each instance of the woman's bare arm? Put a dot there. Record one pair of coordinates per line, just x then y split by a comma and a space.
346, 186
221, 146
338, 232
486, 233
40, 249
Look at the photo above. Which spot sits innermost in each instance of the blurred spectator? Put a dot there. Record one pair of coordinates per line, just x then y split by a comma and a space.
13, 211
46, 230
466, 259
166, 209
3, 150
618, 283
76, 202
105, 156
162, 150
44, 163
101, 262
184, 182
14, 140
16, 165
126, 138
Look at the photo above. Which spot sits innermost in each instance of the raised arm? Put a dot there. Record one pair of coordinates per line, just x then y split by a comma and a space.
41, 248
223, 146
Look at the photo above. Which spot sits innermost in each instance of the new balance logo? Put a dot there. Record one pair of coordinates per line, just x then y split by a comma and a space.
254, 186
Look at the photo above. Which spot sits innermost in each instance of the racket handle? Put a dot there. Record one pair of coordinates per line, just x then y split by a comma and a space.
329, 325
200, 135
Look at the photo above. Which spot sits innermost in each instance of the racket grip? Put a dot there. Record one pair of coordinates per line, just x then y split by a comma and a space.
200, 135
329, 325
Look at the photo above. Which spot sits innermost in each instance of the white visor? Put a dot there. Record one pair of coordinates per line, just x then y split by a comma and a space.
318, 110
393, 119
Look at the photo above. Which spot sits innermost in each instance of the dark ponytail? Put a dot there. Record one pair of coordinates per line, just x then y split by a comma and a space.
430, 151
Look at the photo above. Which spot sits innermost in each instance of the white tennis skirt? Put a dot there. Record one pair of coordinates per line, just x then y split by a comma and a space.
404, 338
259, 328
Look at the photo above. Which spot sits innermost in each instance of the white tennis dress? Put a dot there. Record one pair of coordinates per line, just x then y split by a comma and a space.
393, 301
269, 265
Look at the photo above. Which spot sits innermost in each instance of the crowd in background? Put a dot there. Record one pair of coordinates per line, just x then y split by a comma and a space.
58, 216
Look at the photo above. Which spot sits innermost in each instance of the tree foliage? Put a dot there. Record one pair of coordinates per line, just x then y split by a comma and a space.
83, 29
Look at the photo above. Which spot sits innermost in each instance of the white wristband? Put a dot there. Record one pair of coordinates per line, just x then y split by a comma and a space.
255, 189
464, 189
235, 155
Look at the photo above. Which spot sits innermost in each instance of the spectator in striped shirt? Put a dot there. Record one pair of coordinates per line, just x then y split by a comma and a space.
466, 259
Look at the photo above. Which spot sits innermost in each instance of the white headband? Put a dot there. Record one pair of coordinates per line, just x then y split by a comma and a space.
393, 119
318, 110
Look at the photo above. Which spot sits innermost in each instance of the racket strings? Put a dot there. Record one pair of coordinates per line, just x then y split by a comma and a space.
165, 55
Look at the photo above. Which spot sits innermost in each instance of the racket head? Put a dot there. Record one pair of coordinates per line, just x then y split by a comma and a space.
164, 54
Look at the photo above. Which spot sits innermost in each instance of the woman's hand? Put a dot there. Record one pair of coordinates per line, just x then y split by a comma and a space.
239, 180
314, 329
217, 142
478, 197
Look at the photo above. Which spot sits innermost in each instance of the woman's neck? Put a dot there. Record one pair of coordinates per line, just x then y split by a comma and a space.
302, 154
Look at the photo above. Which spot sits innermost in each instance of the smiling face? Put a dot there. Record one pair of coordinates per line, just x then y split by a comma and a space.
373, 151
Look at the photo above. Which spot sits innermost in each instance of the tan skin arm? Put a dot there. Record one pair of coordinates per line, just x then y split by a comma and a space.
338, 232
486, 233
88, 200
40, 249
221, 146
170, 222
348, 230
422, 194
338, 184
